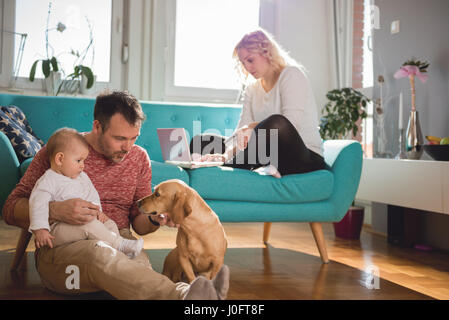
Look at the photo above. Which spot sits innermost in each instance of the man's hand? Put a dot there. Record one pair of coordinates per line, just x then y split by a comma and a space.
73, 211
42, 238
164, 220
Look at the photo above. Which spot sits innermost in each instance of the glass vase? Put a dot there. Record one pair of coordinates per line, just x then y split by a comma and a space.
413, 137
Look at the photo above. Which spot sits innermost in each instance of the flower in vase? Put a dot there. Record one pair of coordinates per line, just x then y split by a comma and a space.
413, 68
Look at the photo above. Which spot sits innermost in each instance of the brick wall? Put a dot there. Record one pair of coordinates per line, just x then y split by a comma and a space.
357, 48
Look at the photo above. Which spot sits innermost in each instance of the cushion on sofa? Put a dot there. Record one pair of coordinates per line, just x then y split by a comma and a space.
161, 171
14, 125
224, 183
241, 211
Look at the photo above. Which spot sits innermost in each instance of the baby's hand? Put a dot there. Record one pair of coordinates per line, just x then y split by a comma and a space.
102, 217
42, 238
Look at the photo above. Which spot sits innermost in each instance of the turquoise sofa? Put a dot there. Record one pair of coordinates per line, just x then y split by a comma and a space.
235, 195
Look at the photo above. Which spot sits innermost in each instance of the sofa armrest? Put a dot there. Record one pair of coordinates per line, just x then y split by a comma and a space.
345, 158
9, 168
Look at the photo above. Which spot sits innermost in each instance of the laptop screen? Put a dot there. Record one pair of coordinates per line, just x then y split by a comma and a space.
174, 145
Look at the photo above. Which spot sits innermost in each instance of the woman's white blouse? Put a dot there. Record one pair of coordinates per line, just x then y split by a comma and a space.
291, 96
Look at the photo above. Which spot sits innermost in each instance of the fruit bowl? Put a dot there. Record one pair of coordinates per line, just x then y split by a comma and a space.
439, 152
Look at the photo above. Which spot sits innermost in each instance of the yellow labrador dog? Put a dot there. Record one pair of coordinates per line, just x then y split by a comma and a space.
201, 240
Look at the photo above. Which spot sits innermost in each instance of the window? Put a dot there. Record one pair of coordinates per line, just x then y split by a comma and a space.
201, 40
70, 23
72, 26
362, 75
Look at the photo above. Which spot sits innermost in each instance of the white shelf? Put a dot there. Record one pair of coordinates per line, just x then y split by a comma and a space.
419, 184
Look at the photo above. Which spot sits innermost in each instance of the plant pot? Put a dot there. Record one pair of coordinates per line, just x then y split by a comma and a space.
351, 224
52, 82
83, 85
71, 86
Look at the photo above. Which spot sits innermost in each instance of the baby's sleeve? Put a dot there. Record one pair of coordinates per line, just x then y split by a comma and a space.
92, 195
39, 205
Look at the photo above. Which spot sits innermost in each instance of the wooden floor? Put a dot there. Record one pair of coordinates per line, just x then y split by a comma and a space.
288, 268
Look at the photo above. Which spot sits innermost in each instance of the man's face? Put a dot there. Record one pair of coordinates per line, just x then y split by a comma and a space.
119, 137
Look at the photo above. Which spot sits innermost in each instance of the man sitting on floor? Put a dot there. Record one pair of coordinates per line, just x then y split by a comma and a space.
121, 173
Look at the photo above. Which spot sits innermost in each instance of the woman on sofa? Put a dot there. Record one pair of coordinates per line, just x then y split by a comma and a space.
281, 101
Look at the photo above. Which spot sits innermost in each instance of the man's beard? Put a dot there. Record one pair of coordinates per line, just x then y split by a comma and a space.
113, 156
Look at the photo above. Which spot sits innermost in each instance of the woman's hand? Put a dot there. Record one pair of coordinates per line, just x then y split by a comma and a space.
243, 135
216, 157
73, 211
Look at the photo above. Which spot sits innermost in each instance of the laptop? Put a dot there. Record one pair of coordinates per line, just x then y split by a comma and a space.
175, 149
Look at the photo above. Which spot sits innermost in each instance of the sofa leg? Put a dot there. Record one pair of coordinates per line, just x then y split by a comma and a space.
266, 231
21, 247
317, 231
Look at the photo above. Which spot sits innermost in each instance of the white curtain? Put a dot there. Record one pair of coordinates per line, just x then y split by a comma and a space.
342, 35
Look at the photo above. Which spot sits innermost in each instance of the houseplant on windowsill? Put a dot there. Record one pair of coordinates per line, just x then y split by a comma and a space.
82, 74
340, 118
50, 65
52, 70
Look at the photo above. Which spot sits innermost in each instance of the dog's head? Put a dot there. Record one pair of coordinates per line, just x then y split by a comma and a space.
169, 197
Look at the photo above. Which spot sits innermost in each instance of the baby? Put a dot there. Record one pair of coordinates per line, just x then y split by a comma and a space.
67, 149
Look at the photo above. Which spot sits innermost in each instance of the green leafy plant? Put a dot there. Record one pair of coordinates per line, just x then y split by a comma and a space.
345, 107
48, 65
79, 68
51, 62
422, 65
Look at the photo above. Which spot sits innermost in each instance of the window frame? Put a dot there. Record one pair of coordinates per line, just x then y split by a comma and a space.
22, 83
368, 149
182, 93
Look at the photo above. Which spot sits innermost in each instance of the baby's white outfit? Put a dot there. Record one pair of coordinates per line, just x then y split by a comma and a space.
53, 186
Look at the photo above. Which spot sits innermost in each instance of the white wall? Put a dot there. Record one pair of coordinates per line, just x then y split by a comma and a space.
303, 28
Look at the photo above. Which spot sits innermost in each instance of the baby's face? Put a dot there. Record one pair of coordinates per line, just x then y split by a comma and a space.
73, 161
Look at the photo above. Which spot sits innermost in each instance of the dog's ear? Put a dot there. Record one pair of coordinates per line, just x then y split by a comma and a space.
181, 208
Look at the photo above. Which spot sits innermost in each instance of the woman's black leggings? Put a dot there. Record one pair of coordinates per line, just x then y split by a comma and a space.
291, 155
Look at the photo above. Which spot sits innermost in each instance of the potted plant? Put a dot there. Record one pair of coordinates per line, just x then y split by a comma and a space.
82, 73
341, 114
345, 107
50, 64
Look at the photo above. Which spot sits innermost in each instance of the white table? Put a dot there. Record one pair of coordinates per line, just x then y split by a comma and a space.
418, 184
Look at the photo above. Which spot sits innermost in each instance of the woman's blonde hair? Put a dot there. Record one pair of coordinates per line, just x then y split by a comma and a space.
262, 42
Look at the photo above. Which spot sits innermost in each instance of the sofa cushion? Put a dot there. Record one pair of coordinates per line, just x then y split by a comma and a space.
161, 171
225, 183
15, 126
